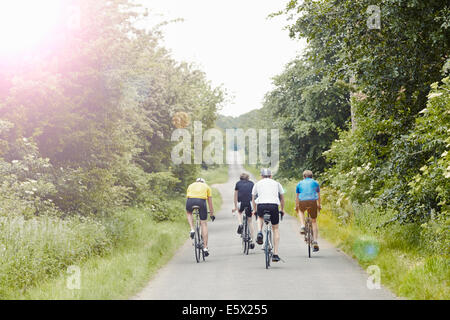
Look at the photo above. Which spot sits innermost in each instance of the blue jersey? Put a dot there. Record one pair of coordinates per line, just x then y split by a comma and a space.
308, 189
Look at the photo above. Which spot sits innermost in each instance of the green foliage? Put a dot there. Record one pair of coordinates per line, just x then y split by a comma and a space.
215, 175
309, 109
409, 174
144, 247
85, 132
395, 158
166, 210
39, 248
257, 119
383, 61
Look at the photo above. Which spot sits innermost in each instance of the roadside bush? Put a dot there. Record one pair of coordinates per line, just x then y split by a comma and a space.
89, 191
32, 250
169, 210
26, 186
406, 175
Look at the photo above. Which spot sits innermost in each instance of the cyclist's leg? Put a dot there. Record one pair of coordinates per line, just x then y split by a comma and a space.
313, 213
250, 223
260, 215
190, 219
276, 238
240, 210
203, 221
275, 220
189, 204
315, 229
204, 226
241, 216
301, 213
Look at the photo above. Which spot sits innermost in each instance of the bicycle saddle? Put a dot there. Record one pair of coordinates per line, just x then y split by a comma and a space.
195, 207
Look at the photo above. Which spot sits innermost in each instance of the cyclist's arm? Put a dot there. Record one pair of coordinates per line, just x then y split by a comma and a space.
282, 202
318, 201
235, 200
210, 205
253, 203
297, 202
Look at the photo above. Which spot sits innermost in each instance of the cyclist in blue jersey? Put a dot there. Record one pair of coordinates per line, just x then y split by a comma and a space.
308, 199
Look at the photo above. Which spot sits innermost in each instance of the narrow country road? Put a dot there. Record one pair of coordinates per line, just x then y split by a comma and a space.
228, 274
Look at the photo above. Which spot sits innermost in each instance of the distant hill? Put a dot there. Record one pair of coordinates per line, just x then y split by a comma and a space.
257, 119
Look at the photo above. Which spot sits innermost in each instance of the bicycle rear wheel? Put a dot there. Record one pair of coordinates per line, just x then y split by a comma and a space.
267, 250
310, 238
196, 246
246, 238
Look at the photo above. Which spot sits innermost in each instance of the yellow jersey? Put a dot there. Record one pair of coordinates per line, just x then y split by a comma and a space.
198, 190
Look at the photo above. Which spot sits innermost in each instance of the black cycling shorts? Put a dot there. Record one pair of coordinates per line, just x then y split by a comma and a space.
273, 210
247, 207
190, 202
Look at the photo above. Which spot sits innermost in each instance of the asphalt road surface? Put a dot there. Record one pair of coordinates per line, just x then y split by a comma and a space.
227, 274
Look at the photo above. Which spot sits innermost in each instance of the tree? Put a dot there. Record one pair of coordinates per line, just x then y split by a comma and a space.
310, 109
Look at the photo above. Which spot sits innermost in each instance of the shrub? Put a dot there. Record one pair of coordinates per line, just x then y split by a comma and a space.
32, 250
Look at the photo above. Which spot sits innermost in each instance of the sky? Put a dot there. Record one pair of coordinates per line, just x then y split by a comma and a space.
232, 41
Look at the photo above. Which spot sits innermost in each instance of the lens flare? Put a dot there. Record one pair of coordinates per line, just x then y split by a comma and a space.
24, 24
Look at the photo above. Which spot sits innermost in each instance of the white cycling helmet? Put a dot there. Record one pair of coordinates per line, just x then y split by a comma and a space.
201, 180
265, 172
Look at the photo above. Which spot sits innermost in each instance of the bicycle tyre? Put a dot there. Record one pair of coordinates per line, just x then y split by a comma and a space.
203, 251
267, 250
310, 237
246, 238
196, 246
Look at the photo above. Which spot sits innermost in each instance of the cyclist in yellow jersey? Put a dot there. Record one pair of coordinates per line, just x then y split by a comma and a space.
197, 194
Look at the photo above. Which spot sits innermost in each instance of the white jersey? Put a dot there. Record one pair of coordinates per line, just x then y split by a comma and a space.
268, 191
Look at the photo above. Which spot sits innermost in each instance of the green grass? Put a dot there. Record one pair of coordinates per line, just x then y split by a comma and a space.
127, 268
407, 269
143, 247
253, 170
217, 200
217, 175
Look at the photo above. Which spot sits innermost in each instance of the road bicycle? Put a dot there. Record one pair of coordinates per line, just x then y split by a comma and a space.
245, 235
268, 243
198, 238
309, 235
268, 239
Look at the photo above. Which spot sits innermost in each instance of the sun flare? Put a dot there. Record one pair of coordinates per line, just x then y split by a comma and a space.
25, 24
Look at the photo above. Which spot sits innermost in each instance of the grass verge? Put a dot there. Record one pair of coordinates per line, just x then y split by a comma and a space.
144, 247
215, 175
406, 268
253, 170
126, 269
